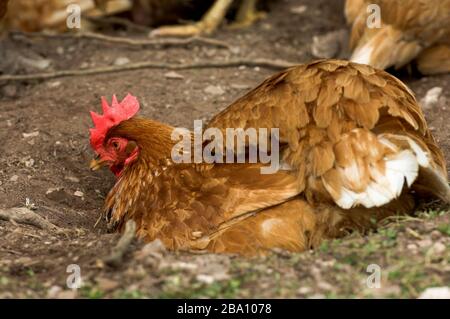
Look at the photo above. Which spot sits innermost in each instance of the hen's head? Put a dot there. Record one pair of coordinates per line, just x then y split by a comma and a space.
114, 152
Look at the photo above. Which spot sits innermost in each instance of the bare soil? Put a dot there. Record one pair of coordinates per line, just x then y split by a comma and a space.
48, 171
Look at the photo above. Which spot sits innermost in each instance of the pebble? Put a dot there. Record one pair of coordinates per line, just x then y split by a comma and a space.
437, 249
78, 194
121, 61
29, 162
40, 64
32, 134
14, 178
240, 86
53, 292
54, 84
304, 290
431, 98
72, 179
180, 265
435, 234
424, 243
173, 75
206, 279
106, 284
214, 90
299, 9
51, 190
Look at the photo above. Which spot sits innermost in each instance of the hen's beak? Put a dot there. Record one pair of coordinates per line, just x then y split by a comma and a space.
97, 163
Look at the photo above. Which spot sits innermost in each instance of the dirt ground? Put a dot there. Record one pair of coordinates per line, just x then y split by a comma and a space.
44, 164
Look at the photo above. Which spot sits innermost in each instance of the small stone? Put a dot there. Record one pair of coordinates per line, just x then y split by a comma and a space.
14, 178
411, 247
323, 285
78, 194
60, 50
32, 134
240, 86
53, 292
40, 64
173, 75
154, 249
54, 84
304, 290
435, 293
214, 90
431, 98
235, 50
29, 162
72, 179
424, 243
435, 234
105, 284
437, 249
206, 279
52, 189
299, 9
180, 265
121, 61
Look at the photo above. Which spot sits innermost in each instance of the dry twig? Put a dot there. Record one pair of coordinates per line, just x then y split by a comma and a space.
116, 256
23, 215
126, 41
271, 64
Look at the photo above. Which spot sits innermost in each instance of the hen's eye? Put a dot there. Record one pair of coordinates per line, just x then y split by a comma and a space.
115, 145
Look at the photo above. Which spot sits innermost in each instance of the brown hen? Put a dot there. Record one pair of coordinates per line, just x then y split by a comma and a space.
37, 15
354, 148
410, 30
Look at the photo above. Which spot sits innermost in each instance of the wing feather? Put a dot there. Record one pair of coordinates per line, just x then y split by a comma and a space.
358, 135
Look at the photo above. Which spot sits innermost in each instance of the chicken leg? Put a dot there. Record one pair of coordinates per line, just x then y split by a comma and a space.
208, 24
247, 14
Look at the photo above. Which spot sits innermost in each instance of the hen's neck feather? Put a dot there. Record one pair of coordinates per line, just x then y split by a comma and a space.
152, 138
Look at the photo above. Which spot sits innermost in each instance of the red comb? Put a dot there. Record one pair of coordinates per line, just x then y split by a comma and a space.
112, 115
